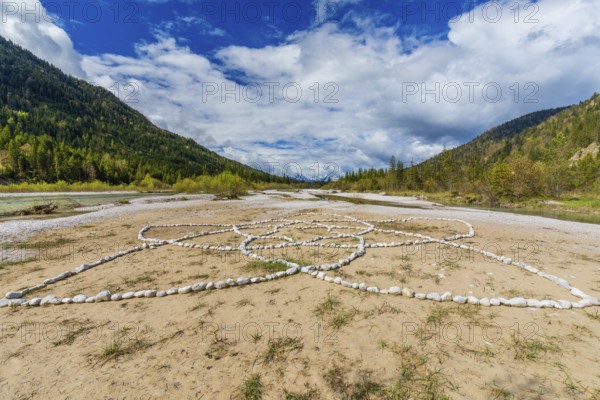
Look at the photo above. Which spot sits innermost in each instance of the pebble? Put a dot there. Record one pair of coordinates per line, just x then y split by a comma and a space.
420, 296
197, 287
80, 298
47, 299
139, 294
485, 302
407, 292
221, 285
472, 300
150, 293
242, 280
67, 300
13, 295
172, 291
517, 302
395, 290
494, 302
128, 295
433, 296
161, 293
188, 289
90, 300
103, 296
35, 301
447, 296
459, 299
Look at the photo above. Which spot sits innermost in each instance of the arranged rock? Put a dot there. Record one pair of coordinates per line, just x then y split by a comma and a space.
80, 298
517, 302
220, 285
103, 296
329, 239
447, 296
188, 289
433, 296
395, 290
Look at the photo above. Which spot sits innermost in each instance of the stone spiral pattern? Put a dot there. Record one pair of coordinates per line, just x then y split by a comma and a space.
324, 271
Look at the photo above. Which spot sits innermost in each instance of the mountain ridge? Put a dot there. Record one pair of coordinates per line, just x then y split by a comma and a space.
57, 127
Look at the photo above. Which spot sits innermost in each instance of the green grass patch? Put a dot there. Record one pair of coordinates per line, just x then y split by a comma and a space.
263, 267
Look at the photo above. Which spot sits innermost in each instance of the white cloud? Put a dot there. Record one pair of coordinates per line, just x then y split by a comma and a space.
29, 25
370, 73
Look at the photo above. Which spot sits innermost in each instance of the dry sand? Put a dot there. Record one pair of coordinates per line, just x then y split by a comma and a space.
301, 335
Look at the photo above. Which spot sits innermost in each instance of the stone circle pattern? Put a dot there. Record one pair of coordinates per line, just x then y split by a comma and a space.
324, 271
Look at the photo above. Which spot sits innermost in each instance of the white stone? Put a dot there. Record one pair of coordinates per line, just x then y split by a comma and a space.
210, 285
534, 303
35, 301
128, 295
150, 293
494, 302
485, 302
161, 293
221, 285
172, 291
433, 296
13, 295
420, 296
578, 293
242, 280
447, 296
90, 300
517, 302
408, 292
47, 299
395, 290
188, 289
139, 294
103, 296
80, 298
67, 300
373, 289
362, 286
116, 297
472, 300
459, 299
197, 287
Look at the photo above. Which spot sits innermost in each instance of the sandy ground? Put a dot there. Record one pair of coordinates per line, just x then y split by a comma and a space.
300, 336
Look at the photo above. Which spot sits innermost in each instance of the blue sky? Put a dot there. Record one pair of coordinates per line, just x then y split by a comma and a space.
288, 85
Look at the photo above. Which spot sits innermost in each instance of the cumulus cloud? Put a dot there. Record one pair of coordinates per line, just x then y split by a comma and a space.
28, 24
332, 96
